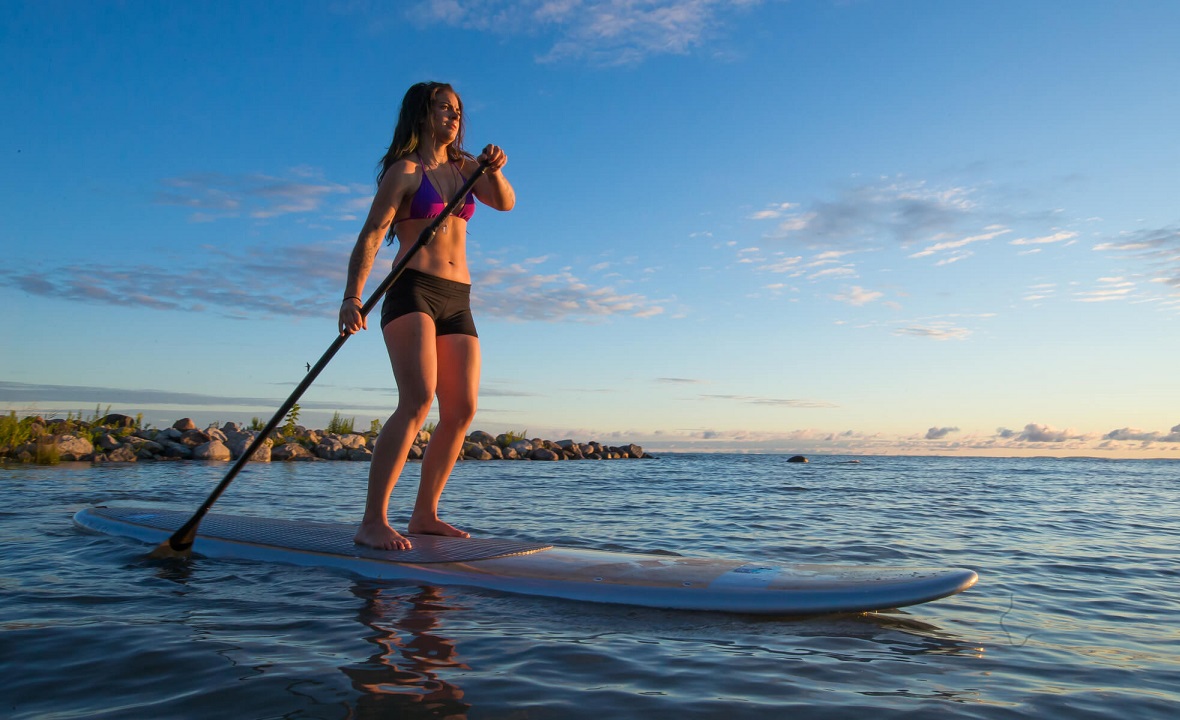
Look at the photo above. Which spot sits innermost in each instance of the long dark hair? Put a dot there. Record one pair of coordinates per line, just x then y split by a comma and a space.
415, 109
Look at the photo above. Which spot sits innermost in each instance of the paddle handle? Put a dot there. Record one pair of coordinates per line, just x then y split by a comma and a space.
181, 541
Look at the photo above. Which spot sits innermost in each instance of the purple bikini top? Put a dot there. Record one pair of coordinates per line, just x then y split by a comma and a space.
427, 203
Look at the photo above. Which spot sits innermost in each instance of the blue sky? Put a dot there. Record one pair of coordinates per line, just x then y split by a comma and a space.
865, 226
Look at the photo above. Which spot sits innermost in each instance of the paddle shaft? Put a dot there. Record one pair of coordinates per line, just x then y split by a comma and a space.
181, 541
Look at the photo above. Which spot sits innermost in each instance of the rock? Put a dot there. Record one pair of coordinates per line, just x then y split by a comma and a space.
176, 450
216, 434
107, 442
117, 421
353, 441
123, 454
170, 434
482, 438
291, 451
509, 454
212, 450
231, 427
72, 447
543, 454
632, 450
522, 447
184, 424
360, 454
330, 448
415, 452
477, 452
194, 438
797, 459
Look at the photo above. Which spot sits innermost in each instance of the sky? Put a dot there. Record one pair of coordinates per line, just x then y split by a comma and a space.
812, 226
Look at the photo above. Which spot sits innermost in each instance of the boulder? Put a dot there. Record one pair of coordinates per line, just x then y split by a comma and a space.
482, 438
124, 454
353, 441
72, 447
543, 454
521, 447
477, 452
291, 451
117, 421
176, 450
194, 438
330, 448
107, 442
184, 424
212, 450
797, 459
360, 454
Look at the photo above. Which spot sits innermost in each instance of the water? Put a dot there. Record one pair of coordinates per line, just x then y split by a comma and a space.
1077, 612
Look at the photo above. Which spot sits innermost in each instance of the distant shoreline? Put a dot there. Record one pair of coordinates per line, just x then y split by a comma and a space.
116, 438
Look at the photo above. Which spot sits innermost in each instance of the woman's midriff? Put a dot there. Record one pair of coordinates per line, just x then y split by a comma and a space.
445, 256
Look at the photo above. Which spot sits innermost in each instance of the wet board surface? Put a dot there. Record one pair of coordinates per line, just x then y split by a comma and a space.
662, 581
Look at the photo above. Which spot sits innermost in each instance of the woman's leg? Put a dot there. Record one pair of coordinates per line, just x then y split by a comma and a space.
411, 344
458, 389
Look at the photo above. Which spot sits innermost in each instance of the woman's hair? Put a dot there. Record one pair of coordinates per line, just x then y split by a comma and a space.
416, 106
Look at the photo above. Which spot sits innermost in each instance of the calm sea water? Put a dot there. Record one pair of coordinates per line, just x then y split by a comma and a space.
1076, 615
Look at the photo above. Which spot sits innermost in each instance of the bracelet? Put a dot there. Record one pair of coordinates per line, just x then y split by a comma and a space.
352, 297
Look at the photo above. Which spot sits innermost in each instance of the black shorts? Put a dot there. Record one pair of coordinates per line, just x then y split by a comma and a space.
448, 303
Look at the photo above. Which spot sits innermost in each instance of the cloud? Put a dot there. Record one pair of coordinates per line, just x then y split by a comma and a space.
939, 331
516, 292
1059, 236
598, 32
990, 232
26, 394
215, 196
938, 433
1110, 288
774, 402
891, 211
1135, 435
856, 295
304, 280
1159, 248
1034, 433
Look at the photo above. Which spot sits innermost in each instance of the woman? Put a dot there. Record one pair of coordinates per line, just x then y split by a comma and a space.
426, 317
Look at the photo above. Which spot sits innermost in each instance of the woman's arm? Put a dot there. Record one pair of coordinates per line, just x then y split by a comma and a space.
393, 190
493, 189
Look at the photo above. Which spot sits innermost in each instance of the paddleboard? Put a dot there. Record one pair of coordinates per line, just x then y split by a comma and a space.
650, 580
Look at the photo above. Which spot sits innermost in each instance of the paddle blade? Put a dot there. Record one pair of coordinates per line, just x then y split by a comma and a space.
173, 549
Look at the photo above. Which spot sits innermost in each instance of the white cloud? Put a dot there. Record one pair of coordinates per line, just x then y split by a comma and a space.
942, 331
600, 32
213, 196
856, 295
1060, 236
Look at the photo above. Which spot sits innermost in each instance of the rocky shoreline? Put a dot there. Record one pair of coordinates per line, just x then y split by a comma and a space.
119, 438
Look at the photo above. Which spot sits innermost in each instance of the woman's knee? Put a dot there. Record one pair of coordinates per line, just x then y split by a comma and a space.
461, 412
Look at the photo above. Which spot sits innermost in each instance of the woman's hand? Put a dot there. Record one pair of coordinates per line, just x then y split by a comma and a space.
494, 157
351, 319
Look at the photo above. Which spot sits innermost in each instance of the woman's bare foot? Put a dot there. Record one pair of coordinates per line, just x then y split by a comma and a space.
380, 536
435, 527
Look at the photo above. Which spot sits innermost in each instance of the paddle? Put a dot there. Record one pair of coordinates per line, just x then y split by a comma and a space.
181, 543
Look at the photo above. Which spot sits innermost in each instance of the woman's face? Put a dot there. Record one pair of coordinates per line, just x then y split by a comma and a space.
445, 115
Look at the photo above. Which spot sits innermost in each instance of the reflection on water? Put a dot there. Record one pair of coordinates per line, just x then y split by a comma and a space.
402, 675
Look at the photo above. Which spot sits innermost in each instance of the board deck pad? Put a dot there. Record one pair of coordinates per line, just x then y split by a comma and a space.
321, 537
583, 574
